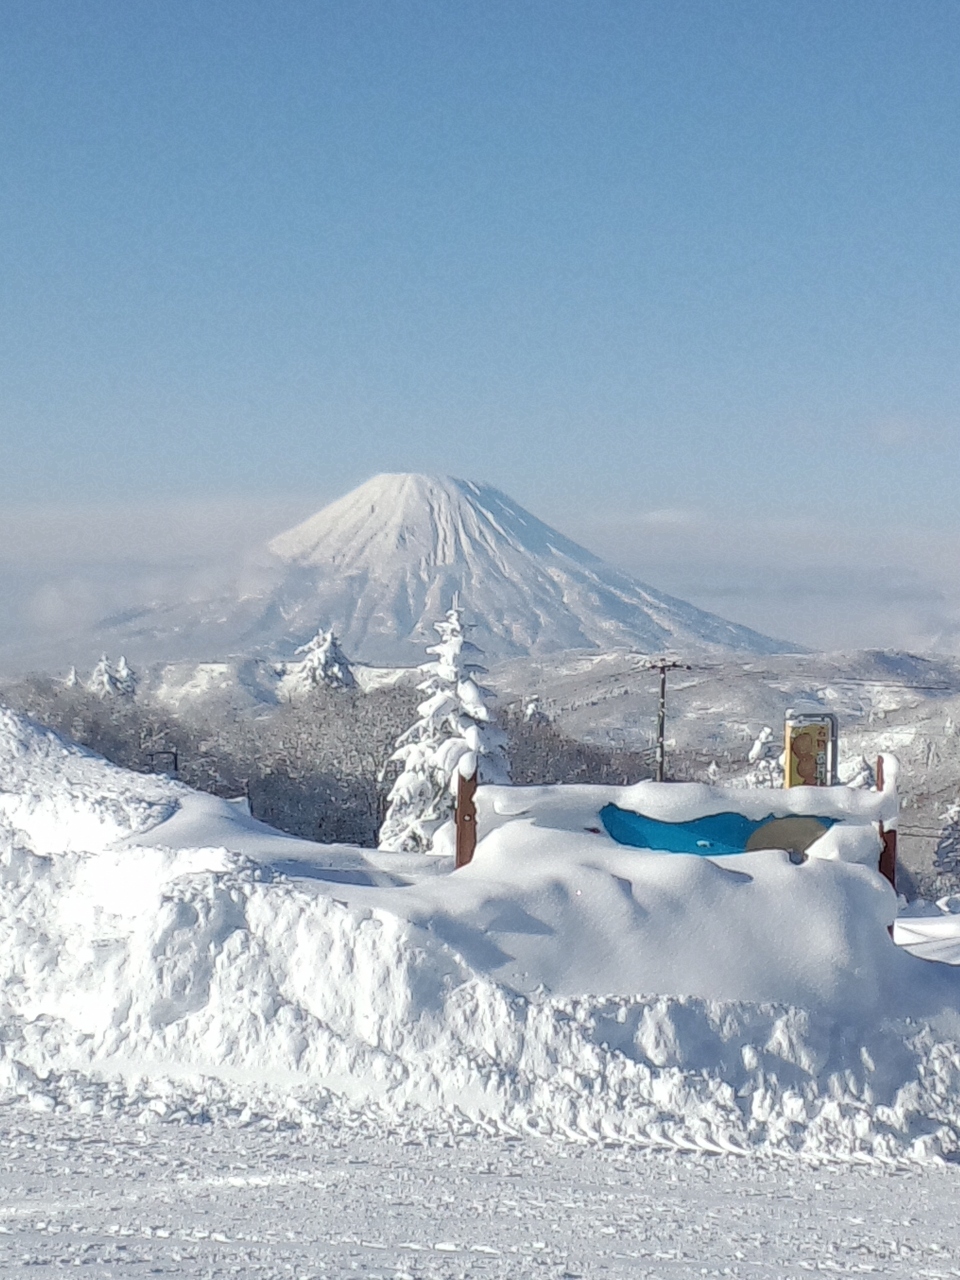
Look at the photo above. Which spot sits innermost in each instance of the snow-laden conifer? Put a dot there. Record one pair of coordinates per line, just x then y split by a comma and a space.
108, 681
101, 678
324, 664
125, 678
454, 735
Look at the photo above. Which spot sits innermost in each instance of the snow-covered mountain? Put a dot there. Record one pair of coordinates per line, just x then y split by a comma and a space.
383, 563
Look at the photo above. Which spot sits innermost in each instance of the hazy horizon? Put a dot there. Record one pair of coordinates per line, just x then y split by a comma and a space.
64, 568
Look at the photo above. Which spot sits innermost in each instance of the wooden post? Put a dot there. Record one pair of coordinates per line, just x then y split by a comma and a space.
888, 854
466, 819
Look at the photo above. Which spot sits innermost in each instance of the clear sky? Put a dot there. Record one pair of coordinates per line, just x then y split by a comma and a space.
652, 266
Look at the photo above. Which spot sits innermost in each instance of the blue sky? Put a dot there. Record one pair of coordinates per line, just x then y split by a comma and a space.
620, 259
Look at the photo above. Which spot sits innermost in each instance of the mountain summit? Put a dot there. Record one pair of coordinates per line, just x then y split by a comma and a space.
383, 563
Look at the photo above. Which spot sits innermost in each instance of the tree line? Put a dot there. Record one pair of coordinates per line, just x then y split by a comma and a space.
318, 767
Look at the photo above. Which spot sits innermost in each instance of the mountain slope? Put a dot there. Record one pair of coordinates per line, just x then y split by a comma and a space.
381, 565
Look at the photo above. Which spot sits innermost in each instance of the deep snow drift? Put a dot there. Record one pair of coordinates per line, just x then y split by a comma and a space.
160, 950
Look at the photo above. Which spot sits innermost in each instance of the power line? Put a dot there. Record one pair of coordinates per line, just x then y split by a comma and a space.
646, 664
892, 684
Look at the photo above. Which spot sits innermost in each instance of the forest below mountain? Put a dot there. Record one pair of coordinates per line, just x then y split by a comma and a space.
319, 767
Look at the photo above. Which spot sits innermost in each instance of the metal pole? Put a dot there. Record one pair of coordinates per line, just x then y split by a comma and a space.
661, 720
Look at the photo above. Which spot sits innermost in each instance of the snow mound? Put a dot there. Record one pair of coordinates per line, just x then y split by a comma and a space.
161, 966
158, 967
63, 797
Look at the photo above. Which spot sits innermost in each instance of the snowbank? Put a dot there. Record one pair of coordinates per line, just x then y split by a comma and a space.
504, 995
64, 798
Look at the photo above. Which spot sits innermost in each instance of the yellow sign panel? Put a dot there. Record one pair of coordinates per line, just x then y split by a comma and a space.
810, 750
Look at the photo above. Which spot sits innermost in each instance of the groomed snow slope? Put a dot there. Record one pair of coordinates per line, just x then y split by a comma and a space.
382, 564
169, 959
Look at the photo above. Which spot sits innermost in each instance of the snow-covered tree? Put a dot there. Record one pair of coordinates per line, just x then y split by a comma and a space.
454, 736
101, 678
765, 759
533, 712
324, 664
108, 681
125, 678
761, 748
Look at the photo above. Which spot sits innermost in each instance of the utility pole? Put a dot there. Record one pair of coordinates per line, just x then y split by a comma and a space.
663, 665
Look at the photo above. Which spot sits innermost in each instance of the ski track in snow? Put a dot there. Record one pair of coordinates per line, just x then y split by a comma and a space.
121, 1198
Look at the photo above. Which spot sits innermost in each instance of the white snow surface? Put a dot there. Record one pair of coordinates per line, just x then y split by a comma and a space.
166, 1194
383, 563
165, 945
